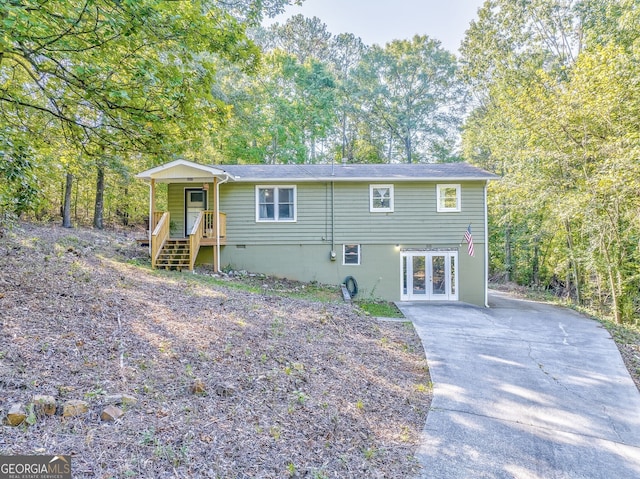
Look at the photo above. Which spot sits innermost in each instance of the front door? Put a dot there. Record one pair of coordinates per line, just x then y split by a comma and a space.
195, 201
429, 275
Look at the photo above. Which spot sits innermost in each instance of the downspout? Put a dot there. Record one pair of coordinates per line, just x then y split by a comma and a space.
217, 211
486, 248
333, 217
332, 253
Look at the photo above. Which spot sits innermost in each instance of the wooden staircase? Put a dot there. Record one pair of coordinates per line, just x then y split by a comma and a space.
174, 255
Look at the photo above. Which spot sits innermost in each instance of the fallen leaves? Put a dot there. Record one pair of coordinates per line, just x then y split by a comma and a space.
283, 384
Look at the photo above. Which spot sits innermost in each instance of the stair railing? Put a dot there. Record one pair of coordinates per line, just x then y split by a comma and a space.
157, 216
196, 235
211, 225
159, 237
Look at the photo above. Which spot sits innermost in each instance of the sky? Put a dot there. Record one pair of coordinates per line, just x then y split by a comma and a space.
380, 21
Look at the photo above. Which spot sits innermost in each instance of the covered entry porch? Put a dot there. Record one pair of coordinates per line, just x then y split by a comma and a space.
193, 219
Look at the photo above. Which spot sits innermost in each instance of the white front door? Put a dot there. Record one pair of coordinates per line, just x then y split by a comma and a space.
429, 275
195, 201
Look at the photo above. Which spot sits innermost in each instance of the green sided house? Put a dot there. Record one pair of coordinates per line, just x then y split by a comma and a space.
401, 232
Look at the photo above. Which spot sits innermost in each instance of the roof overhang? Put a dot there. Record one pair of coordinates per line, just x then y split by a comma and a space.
360, 179
183, 171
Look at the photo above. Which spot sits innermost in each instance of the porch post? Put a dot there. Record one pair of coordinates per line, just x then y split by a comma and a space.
216, 253
152, 209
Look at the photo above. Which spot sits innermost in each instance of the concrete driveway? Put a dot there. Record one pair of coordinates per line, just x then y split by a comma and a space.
525, 390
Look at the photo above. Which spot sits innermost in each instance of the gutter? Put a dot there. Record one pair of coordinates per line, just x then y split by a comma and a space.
388, 179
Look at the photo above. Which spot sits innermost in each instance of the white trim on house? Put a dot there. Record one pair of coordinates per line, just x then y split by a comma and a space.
381, 209
276, 204
179, 171
367, 179
441, 199
344, 254
448, 289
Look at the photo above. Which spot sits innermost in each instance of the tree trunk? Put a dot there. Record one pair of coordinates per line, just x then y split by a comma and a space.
122, 211
66, 206
615, 306
407, 146
99, 207
574, 264
508, 267
536, 262
344, 134
75, 204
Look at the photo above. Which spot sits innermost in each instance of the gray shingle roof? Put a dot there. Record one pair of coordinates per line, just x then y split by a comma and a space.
357, 172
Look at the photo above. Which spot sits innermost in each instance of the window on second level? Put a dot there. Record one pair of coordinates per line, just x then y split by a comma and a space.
275, 203
381, 198
448, 197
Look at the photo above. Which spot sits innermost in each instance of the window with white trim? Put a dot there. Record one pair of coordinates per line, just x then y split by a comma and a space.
275, 203
381, 198
351, 254
448, 197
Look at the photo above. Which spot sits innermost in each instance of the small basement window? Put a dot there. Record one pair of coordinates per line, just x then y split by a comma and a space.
381, 198
351, 254
448, 198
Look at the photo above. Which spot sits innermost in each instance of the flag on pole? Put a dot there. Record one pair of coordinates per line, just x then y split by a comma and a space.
469, 239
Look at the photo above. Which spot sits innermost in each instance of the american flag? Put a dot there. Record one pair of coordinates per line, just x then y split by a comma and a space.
469, 239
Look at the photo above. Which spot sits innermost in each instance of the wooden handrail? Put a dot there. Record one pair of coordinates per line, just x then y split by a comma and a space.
204, 227
210, 224
156, 218
159, 237
196, 235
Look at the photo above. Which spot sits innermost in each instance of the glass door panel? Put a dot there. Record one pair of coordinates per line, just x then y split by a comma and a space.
419, 275
429, 275
405, 276
453, 279
438, 276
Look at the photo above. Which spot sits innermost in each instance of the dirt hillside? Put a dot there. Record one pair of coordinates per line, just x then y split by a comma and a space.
228, 383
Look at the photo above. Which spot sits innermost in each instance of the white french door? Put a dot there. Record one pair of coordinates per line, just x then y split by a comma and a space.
429, 275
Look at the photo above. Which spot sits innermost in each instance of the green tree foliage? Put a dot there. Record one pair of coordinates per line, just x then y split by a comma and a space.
120, 74
280, 115
253, 11
304, 38
401, 102
18, 190
410, 93
114, 79
347, 51
556, 84
92, 91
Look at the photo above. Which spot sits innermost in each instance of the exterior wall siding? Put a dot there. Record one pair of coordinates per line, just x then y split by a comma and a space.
301, 250
414, 220
378, 275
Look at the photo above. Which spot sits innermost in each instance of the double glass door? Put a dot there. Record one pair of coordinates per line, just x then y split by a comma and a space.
429, 275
